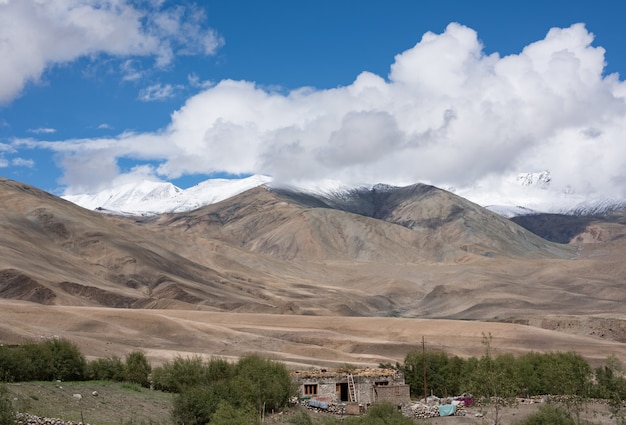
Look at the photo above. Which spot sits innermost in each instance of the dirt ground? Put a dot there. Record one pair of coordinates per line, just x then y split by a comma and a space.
595, 412
299, 341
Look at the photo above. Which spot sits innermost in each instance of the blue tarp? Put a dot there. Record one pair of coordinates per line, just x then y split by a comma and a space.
319, 404
447, 409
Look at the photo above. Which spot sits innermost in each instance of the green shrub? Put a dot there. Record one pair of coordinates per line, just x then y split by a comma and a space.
442, 373
219, 369
107, 369
251, 385
194, 406
68, 363
137, 369
175, 375
263, 382
11, 364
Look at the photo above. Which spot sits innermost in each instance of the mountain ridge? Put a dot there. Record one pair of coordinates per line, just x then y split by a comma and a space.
153, 198
421, 252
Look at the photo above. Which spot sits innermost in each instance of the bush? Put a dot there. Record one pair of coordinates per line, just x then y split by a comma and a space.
108, 369
174, 376
68, 363
248, 387
12, 365
193, 406
137, 369
263, 382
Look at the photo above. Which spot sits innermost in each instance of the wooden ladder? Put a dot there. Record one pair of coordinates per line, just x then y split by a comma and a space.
351, 388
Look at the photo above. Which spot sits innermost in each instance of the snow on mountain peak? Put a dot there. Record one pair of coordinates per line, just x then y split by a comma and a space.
522, 194
151, 198
541, 179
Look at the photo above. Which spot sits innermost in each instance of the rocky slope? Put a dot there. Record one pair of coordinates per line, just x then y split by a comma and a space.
416, 251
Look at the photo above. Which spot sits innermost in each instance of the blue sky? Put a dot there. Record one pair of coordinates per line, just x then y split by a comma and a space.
94, 94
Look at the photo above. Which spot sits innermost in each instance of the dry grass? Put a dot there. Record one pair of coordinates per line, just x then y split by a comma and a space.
114, 404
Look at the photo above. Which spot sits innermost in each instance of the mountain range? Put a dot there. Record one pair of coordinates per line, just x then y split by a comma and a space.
381, 251
528, 193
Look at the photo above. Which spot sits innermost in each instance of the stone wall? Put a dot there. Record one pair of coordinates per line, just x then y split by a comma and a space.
397, 394
370, 385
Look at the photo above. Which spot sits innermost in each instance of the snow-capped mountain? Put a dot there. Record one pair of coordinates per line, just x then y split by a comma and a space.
151, 198
524, 194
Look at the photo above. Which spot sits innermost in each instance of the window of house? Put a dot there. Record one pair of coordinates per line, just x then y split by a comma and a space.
381, 383
310, 389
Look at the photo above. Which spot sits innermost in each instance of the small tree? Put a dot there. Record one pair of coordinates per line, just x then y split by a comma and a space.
137, 369
492, 380
611, 385
442, 373
263, 382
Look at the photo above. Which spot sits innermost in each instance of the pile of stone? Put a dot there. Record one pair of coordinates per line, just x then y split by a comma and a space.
420, 411
324, 405
430, 408
28, 419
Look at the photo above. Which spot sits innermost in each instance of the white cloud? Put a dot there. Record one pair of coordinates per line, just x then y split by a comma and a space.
43, 130
158, 92
195, 81
448, 114
105, 126
5, 147
22, 162
69, 29
129, 71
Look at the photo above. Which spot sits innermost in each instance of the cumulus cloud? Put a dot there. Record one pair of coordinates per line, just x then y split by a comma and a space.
69, 29
447, 114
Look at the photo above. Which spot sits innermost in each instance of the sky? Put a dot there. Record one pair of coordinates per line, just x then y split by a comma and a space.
99, 93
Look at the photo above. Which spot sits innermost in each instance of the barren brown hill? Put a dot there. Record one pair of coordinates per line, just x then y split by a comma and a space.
283, 257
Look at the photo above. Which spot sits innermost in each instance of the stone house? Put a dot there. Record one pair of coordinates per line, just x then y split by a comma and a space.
363, 386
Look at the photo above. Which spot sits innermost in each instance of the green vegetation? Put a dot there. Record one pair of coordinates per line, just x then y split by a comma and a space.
116, 403
7, 414
106, 369
219, 392
137, 369
227, 393
506, 375
48, 360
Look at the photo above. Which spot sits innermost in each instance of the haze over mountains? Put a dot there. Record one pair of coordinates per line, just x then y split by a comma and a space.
415, 252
